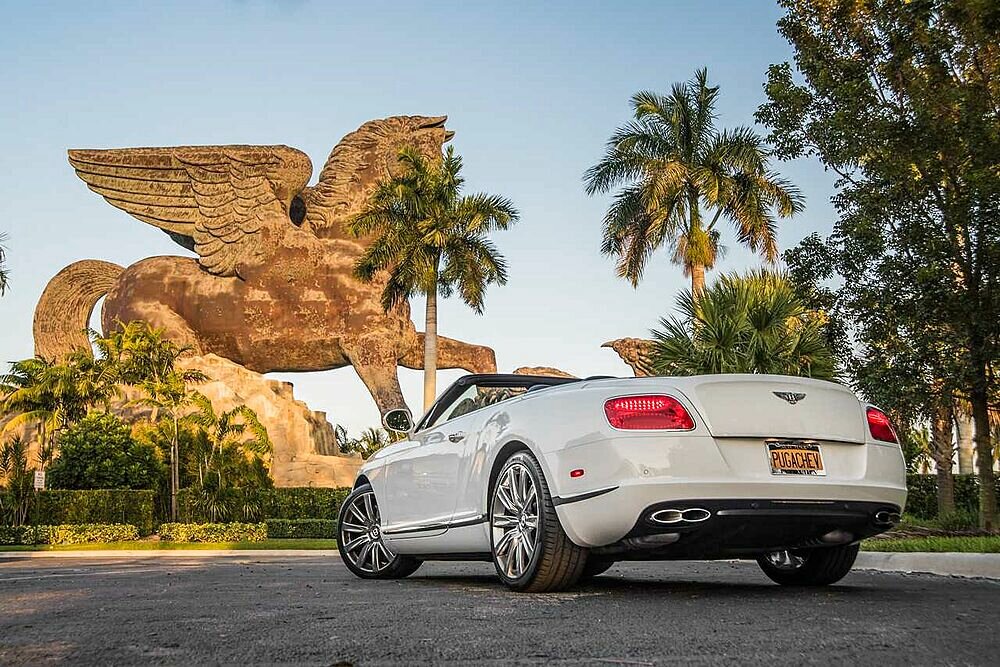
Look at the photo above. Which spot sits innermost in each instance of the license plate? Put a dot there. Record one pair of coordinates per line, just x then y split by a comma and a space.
795, 457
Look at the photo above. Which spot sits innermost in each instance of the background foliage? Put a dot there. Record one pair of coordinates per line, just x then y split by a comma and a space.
100, 453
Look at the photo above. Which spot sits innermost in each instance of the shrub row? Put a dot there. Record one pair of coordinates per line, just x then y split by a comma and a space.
213, 532
282, 503
80, 533
100, 506
317, 529
921, 500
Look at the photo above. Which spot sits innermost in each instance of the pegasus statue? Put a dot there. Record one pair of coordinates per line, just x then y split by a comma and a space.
272, 286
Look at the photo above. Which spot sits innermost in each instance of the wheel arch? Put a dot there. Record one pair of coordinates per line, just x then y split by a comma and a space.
510, 447
361, 481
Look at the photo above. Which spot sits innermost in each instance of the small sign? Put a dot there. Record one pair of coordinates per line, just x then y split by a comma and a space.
40, 480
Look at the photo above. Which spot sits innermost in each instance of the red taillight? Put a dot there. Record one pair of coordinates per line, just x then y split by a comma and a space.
880, 426
648, 412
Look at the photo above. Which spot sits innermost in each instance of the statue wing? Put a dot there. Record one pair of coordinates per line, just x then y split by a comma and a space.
219, 197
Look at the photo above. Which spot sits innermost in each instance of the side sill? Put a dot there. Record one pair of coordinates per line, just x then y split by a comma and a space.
444, 525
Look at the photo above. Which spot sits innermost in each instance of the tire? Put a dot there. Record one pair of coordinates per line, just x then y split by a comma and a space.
554, 562
809, 567
596, 566
359, 540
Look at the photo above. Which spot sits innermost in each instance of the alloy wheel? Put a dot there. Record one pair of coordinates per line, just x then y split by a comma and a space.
514, 520
361, 536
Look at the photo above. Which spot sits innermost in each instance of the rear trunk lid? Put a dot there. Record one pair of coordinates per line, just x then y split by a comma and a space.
775, 406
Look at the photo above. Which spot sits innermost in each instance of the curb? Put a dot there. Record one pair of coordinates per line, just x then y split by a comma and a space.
983, 566
169, 553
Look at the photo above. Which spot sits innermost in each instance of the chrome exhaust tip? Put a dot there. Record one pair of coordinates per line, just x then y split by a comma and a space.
695, 515
674, 516
668, 516
887, 518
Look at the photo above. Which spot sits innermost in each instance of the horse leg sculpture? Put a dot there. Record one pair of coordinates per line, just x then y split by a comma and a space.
453, 354
375, 364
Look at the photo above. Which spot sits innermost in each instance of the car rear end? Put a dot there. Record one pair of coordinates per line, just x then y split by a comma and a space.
726, 466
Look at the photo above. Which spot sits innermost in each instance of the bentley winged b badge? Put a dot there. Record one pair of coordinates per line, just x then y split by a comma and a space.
790, 396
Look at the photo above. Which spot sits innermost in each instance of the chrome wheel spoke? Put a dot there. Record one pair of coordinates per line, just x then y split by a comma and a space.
358, 514
354, 528
505, 498
356, 542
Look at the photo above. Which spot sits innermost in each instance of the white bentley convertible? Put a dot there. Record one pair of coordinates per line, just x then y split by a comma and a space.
555, 479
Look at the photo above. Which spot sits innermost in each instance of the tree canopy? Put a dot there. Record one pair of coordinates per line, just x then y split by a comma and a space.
743, 324
679, 176
902, 101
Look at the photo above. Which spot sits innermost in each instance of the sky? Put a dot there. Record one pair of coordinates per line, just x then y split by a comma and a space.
533, 91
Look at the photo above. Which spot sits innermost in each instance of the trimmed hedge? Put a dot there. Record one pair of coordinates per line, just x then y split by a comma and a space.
921, 500
282, 503
99, 506
80, 533
213, 532
301, 528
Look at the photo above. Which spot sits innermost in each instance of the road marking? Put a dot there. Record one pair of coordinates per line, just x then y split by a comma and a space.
81, 574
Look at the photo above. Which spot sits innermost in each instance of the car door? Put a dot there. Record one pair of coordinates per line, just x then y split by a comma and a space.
421, 482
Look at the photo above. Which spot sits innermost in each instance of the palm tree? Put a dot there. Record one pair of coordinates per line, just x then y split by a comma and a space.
15, 498
4, 273
370, 441
743, 324
171, 396
54, 395
679, 176
143, 357
432, 240
232, 433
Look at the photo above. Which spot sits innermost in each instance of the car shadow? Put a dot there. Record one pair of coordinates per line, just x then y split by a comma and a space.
622, 585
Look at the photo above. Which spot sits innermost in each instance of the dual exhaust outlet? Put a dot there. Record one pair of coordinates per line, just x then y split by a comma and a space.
886, 518
672, 517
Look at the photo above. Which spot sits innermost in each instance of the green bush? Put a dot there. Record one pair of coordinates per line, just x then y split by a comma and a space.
301, 528
213, 532
281, 503
921, 500
82, 533
958, 521
100, 453
104, 506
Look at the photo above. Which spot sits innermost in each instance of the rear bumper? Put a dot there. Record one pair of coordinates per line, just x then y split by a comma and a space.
740, 528
792, 506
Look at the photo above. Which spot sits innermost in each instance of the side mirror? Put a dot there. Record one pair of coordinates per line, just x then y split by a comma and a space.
399, 420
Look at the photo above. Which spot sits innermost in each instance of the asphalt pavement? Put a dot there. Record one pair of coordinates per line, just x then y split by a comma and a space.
255, 609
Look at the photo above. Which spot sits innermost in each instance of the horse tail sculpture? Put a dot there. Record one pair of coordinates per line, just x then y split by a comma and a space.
63, 313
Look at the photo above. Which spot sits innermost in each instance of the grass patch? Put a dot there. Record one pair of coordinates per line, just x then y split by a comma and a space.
935, 544
156, 545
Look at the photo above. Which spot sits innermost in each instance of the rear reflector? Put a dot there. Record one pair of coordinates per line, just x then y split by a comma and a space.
880, 426
648, 413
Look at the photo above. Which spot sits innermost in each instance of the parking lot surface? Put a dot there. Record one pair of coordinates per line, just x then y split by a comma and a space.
307, 609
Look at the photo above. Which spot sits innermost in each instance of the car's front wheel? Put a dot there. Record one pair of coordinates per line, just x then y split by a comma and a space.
531, 551
809, 567
359, 540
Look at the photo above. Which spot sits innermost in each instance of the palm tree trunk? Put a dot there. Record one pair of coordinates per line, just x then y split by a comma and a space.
942, 451
984, 455
966, 442
174, 476
430, 347
697, 280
